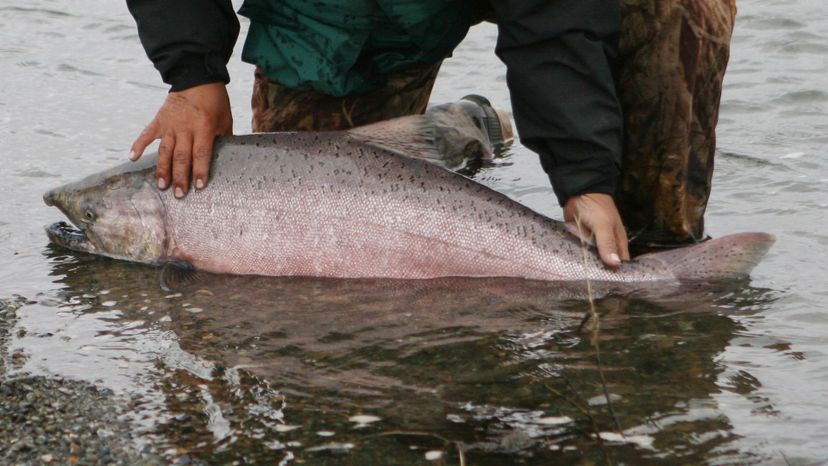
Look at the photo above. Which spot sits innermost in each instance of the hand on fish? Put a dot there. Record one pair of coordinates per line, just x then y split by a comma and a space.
187, 123
595, 215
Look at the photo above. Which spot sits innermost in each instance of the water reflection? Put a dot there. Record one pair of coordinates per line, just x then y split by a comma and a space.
285, 369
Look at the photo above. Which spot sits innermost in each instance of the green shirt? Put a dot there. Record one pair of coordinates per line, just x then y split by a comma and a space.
345, 48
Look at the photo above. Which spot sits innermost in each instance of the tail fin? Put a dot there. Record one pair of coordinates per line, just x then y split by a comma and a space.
450, 135
728, 257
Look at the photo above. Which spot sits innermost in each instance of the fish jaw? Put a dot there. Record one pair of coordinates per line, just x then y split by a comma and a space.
69, 237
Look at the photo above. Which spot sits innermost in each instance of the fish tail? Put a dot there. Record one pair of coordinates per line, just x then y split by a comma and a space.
728, 257
451, 135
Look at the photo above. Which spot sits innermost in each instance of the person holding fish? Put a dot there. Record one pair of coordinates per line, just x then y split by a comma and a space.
618, 98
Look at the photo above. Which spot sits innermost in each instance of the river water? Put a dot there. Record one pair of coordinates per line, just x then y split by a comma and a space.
371, 372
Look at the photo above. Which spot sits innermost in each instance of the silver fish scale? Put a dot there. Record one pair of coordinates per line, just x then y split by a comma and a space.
321, 204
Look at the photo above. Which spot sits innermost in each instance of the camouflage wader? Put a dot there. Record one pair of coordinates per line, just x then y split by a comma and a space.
673, 55
672, 60
278, 108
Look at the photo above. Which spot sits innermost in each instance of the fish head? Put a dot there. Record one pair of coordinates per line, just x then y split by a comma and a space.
117, 213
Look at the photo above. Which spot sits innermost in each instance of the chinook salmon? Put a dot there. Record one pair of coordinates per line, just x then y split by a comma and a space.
369, 202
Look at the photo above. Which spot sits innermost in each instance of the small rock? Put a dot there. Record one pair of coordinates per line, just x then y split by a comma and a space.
285, 427
601, 400
553, 420
433, 455
334, 447
362, 420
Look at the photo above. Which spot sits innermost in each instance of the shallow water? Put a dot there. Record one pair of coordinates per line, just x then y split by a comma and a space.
281, 369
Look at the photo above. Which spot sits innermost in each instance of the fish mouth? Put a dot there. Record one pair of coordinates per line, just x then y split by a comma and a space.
69, 237
65, 234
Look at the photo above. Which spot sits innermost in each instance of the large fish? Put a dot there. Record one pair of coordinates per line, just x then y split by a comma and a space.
369, 202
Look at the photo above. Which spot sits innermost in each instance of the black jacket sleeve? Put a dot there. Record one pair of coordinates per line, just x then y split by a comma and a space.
189, 41
558, 56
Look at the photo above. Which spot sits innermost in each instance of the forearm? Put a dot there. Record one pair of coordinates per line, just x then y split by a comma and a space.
558, 55
188, 41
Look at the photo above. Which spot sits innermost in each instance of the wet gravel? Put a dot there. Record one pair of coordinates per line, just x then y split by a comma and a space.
8, 316
57, 421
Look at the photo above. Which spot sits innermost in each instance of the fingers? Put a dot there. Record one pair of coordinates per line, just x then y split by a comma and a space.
186, 123
607, 244
164, 164
182, 160
202, 153
611, 241
149, 134
597, 213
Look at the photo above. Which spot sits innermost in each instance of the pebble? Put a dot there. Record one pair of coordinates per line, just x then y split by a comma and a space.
334, 447
362, 420
601, 400
285, 427
553, 420
433, 455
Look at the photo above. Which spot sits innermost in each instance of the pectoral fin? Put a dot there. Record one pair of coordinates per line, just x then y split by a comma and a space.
177, 274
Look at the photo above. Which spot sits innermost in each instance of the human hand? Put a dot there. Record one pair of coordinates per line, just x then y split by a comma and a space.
187, 123
595, 214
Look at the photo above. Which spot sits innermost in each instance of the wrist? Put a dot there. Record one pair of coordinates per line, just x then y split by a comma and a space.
211, 88
195, 70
